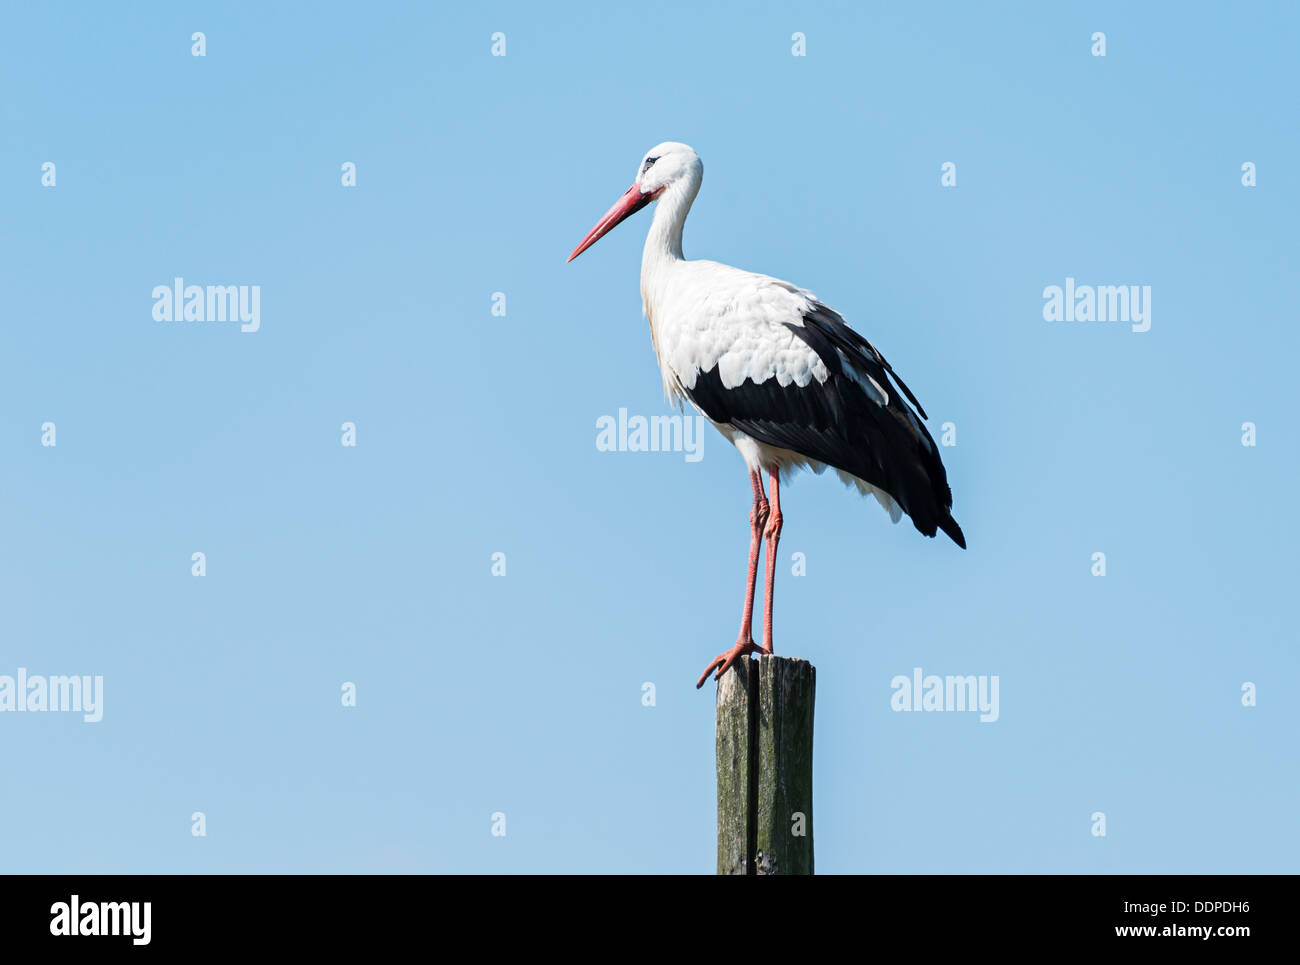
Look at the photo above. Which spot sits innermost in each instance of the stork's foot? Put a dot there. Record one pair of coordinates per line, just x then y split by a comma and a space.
723, 661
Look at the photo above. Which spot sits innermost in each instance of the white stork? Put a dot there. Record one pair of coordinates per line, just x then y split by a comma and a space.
779, 374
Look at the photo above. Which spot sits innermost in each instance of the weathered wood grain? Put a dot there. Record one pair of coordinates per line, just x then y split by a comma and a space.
764, 760
786, 692
735, 710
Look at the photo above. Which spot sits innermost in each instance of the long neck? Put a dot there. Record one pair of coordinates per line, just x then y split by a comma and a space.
664, 242
663, 250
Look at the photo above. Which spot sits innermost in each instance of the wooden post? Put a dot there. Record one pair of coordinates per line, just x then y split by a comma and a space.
764, 748
737, 748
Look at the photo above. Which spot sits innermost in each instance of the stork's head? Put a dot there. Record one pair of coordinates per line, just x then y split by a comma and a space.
667, 167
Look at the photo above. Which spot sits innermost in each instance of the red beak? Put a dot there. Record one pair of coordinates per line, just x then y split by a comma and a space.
631, 202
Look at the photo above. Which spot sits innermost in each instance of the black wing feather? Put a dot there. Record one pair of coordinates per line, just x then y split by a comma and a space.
837, 423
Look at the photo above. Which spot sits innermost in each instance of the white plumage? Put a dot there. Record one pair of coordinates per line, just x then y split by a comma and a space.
777, 372
704, 314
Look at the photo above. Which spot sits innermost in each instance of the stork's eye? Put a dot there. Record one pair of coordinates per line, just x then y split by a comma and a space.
649, 163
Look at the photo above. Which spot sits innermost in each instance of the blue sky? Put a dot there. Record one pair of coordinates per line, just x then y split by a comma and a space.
476, 434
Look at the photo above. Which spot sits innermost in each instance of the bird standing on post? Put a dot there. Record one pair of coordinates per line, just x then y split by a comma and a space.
779, 374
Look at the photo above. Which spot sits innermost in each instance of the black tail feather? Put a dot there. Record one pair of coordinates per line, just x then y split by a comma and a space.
949, 526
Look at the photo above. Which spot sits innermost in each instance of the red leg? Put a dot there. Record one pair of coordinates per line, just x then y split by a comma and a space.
758, 515
772, 534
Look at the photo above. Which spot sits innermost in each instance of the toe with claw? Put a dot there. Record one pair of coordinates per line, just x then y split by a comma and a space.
723, 661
